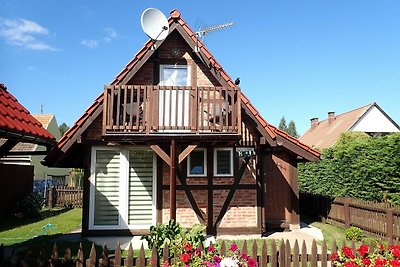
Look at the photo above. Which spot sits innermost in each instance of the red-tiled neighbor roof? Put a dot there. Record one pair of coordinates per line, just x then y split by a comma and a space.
176, 22
17, 123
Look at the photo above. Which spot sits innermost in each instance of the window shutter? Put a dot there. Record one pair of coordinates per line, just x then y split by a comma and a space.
140, 208
107, 187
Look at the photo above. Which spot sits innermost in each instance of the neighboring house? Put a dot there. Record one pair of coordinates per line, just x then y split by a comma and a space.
33, 154
370, 119
173, 137
17, 125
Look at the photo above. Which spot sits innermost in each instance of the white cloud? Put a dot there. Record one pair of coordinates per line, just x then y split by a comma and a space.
110, 34
22, 32
90, 43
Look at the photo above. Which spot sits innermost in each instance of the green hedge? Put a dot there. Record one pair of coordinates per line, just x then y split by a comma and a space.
358, 166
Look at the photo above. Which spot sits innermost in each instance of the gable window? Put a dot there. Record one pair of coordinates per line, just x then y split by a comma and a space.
174, 102
223, 162
197, 163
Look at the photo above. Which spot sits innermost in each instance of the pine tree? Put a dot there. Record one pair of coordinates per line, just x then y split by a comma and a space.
291, 129
282, 125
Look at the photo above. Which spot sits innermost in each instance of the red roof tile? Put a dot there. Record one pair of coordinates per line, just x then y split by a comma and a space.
176, 18
17, 119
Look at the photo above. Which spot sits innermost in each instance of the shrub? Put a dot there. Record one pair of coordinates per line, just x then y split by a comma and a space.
29, 207
354, 233
173, 235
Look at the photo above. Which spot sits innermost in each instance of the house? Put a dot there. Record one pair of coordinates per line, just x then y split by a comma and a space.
17, 125
32, 154
173, 137
370, 119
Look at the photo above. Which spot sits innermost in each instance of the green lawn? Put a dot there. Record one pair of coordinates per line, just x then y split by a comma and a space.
64, 221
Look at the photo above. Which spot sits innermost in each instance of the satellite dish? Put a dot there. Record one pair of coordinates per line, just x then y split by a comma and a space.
155, 24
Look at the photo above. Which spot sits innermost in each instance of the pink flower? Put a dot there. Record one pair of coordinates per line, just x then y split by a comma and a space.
216, 258
211, 249
233, 247
187, 247
244, 256
251, 262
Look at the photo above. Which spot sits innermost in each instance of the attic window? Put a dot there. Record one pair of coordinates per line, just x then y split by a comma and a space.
174, 75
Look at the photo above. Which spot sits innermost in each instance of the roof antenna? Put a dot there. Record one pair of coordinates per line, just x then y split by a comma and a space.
200, 34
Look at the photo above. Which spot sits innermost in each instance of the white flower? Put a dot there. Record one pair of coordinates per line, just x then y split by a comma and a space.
229, 262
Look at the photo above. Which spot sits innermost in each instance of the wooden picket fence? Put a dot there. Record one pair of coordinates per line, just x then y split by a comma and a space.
379, 219
65, 196
273, 253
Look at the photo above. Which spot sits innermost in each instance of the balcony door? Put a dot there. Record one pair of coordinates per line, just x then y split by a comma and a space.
174, 103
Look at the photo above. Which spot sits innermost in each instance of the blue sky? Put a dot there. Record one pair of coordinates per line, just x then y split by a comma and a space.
298, 59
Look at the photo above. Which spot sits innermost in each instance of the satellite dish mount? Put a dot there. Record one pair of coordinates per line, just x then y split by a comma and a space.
155, 25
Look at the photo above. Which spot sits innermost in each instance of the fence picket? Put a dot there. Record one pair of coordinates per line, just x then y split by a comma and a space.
288, 253
79, 257
154, 257
296, 253
67, 261
117, 256
244, 248
91, 262
223, 249
304, 257
264, 254
324, 256
314, 259
281, 256
254, 249
165, 254
129, 259
54, 255
141, 262
105, 262
274, 256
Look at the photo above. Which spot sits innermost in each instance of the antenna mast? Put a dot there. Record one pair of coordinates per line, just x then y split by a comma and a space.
201, 33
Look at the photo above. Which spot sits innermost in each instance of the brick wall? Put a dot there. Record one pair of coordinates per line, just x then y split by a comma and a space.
242, 211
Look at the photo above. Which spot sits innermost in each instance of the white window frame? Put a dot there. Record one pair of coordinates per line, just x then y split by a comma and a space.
216, 160
176, 66
204, 167
123, 188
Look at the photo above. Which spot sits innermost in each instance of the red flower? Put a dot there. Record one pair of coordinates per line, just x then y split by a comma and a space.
187, 247
211, 249
334, 256
350, 264
381, 247
380, 262
233, 247
348, 252
244, 256
395, 251
251, 262
366, 262
185, 258
363, 250
198, 252
395, 263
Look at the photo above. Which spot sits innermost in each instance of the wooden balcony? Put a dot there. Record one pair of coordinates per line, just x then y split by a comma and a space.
169, 110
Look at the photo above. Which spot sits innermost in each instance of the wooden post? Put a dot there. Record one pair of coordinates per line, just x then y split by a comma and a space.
172, 182
51, 201
389, 225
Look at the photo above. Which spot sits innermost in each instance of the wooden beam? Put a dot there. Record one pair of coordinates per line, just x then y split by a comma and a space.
172, 182
296, 149
7, 146
186, 152
161, 153
184, 186
231, 193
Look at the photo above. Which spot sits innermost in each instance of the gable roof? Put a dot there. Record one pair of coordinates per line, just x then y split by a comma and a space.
17, 123
325, 134
272, 135
44, 119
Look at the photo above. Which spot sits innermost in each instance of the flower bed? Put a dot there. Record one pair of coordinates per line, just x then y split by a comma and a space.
378, 256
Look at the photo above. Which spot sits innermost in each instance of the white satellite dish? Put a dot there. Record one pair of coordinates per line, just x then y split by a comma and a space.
155, 24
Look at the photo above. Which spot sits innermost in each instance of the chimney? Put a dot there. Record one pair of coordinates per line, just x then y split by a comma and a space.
331, 117
314, 123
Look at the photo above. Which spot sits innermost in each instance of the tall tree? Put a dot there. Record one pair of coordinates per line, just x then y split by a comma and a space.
291, 129
282, 124
63, 128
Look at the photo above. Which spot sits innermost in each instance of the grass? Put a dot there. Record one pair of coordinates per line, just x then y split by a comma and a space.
63, 221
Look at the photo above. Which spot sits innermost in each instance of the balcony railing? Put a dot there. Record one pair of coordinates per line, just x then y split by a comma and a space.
139, 109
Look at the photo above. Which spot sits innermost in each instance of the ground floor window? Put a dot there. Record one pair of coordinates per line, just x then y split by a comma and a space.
122, 188
223, 161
